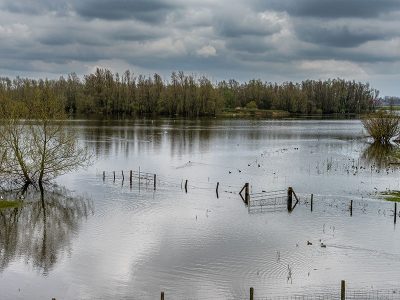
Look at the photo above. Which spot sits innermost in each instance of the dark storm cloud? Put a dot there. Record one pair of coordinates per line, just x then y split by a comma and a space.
144, 10
265, 37
333, 8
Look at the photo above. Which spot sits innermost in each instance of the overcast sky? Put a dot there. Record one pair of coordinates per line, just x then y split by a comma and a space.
274, 40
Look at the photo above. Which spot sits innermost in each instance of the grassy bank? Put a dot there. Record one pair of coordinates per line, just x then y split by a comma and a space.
254, 113
388, 107
393, 196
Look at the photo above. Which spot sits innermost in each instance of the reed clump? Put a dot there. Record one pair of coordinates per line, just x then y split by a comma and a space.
382, 126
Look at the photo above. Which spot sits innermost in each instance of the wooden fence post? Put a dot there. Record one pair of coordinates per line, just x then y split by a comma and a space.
216, 189
155, 181
104, 175
351, 208
312, 198
114, 175
162, 295
251, 293
289, 199
395, 212
186, 183
247, 193
343, 290
130, 177
123, 177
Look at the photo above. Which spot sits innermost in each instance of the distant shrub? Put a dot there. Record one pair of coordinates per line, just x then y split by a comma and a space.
251, 105
382, 126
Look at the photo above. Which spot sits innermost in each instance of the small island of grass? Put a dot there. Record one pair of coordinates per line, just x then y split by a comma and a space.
393, 196
4, 204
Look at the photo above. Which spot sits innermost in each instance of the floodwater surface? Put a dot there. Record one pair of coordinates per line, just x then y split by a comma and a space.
100, 238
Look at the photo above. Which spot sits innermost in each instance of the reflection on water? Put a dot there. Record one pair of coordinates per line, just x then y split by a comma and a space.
381, 155
41, 229
180, 137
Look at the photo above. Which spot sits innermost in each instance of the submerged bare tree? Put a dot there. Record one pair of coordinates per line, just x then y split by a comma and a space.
35, 145
382, 126
40, 231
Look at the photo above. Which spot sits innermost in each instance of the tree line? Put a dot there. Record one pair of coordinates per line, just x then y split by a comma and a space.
108, 94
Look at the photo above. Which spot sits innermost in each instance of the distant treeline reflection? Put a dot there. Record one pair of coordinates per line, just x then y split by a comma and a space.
107, 94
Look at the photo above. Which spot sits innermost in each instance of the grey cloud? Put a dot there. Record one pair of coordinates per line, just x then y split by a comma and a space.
249, 45
251, 26
89, 36
134, 35
349, 54
81, 38
144, 10
34, 7
333, 8
341, 36
251, 38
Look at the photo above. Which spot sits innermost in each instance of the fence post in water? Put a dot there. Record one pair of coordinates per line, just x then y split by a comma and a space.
104, 175
312, 197
216, 189
130, 177
251, 293
343, 290
247, 193
114, 175
155, 181
162, 295
289, 199
351, 208
186, 183
123, 177
395, 212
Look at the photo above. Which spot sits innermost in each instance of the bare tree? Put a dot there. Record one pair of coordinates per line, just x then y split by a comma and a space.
35, 144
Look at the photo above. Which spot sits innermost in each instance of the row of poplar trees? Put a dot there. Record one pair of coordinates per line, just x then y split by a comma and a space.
108, 94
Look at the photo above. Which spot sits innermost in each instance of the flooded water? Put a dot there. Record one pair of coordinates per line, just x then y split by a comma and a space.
107, 239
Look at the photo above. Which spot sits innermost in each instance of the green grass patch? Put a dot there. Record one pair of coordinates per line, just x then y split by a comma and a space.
387, 107
4, 204
393, 196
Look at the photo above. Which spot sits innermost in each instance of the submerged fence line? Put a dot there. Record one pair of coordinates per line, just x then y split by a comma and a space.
184, 184
262, 201
342, 293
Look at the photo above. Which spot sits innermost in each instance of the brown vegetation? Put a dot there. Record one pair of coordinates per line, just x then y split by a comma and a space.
382, 126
